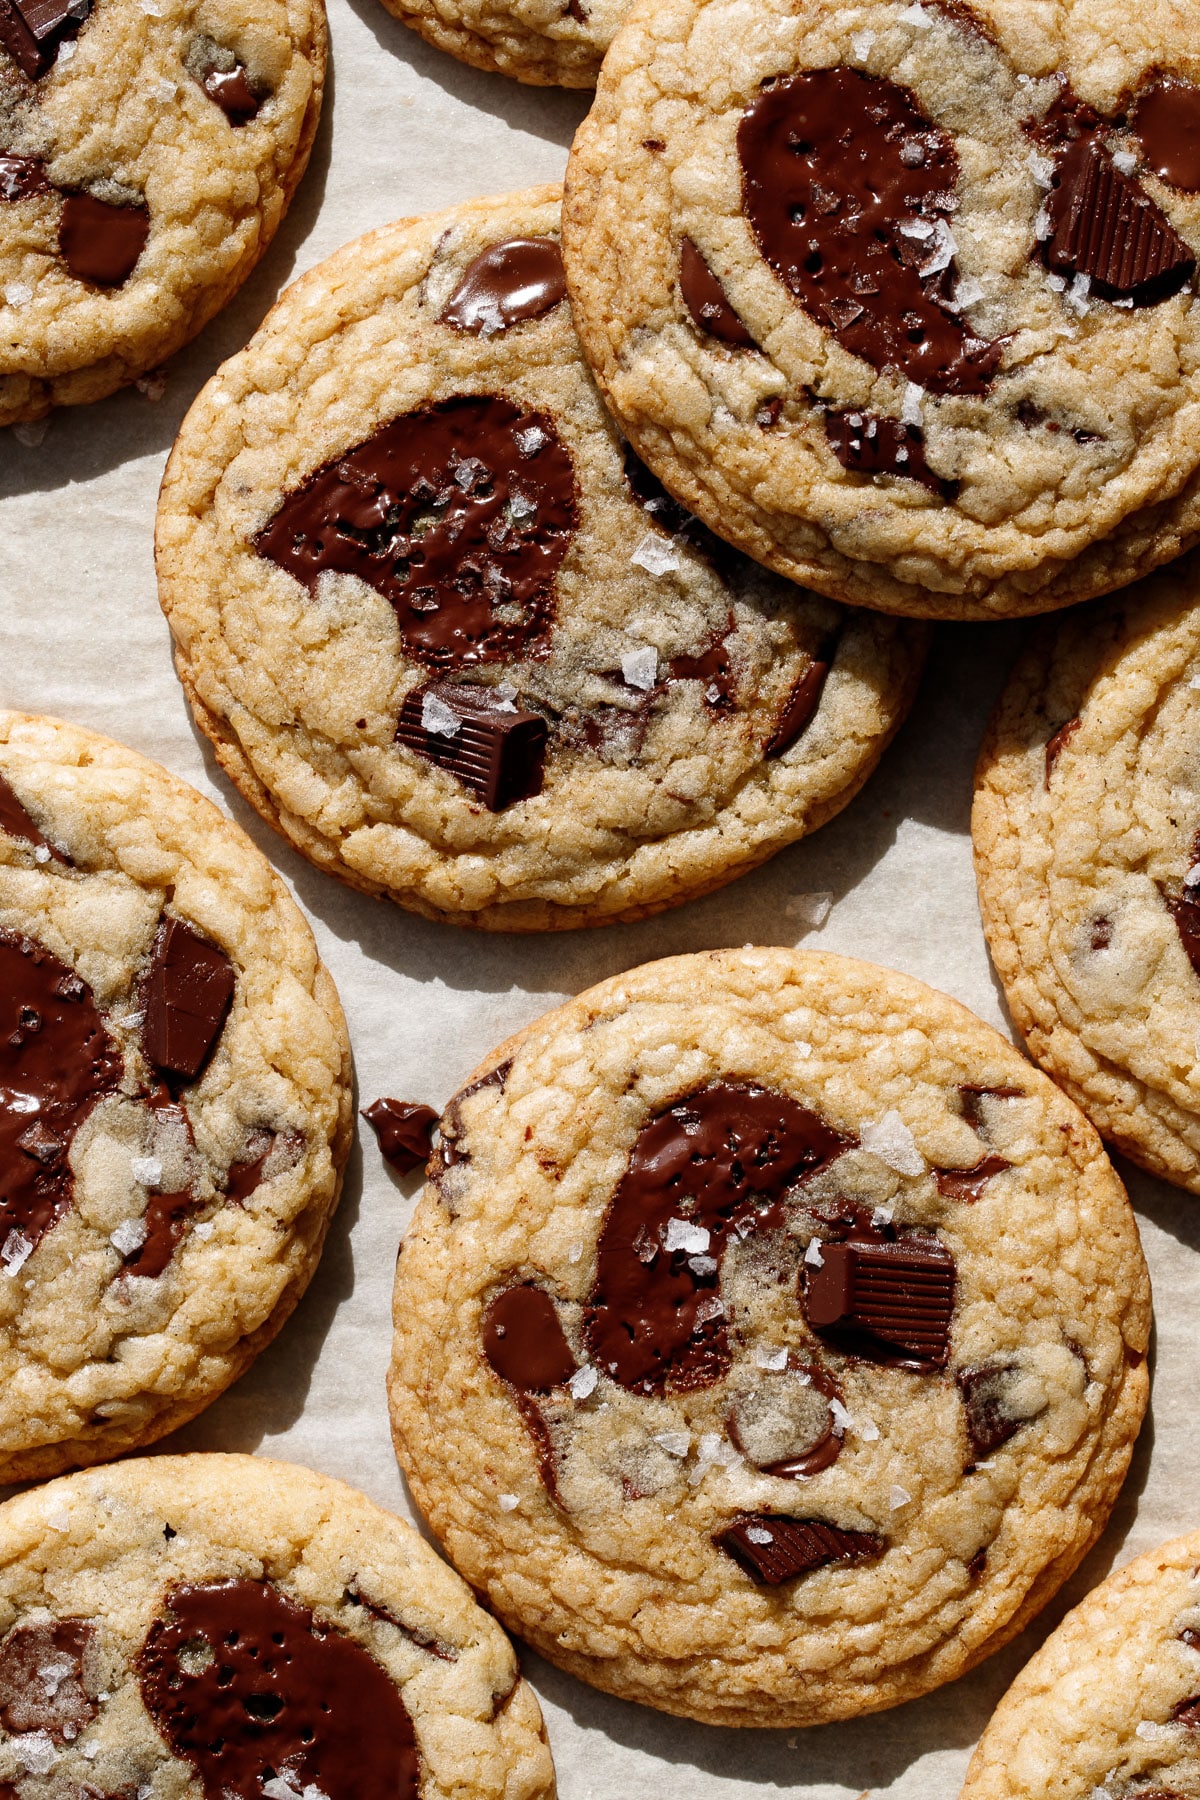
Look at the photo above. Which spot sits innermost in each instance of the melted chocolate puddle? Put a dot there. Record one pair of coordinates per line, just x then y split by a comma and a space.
1166, 122
520, 278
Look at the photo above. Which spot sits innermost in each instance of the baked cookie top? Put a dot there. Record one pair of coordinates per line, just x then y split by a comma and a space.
769, 1338
147, 154
899, 297
228, 1626
1127, 1662
174, 1100
1087, 850
453, 639
548, 43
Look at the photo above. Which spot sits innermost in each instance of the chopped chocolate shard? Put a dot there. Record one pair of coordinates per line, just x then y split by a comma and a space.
1058, 743
245, 1175
405, 1131
1105, 225
967, 1185
524, 1342
101, 243
888, 1302
14, 820
495, 750
800, 707
186, 997
707, 300
32, 30
22, 177
165, 1219
1184, 908
249, 1688
1166, 122
230, 90
989, 1424
772, 1549
41, 1678
521, 278
353, 1596
876, 444
856, 228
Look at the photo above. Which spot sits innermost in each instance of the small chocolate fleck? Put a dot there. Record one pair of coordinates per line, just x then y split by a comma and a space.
498, 751
967, 1185
1166, 122
101, 243
186, 997
876, 444
32, 30
978, 1563
1104, 225
22, 177
707, 300
772, 1549
1100, 936
230, 89
61, 1707
655, 145
1058, 743
886, 1301
405, 1131
524, 1342
16, 822
521, 278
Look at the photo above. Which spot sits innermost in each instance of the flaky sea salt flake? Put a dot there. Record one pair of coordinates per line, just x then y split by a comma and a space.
439, 718
893, 1143
898, 1497
655, 555
35, 1750
860, 45
812, 1255
16, 1252
640, 667
768, 1357
675, 1443
916, 15
681, 1235
508, 1502
583, 1382
147, 1170
842, 1421
910, 408
32, 433
129, 1236
810, 911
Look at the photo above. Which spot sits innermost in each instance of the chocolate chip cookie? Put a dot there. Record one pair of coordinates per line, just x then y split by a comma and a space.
452, 638
174, 1100
770, 1337
147, 155
1109, 1708
548, 43
900, 298
1087, 852
226, 1625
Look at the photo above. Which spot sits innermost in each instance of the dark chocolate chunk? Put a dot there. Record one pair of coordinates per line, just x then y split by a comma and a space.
245, 1175
719, 1162
22, 177
524, 1342
165, 1219
888, 1302
32, 30
713, 667
1105, 225
1185, 910
186, 996
244, 1683
57, 1703
16, 821
989, 1424
972, 1095
451, 1148
353, 1596
1066, 119
968, 1184
772, 1549
707, 300
875, 444
849, 191
459, 514
56, 1061
230, 90
1187, 1712
799, 708
1058, 743
1166, 122
521, 278
498, 751
101, 243
405, 1131
675, 519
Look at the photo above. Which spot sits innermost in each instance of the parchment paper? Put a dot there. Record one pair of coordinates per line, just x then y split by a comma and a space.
406, 130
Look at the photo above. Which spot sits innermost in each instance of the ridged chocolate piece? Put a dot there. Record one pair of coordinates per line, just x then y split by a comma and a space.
230, 90
22, 177
773, 1549
32, 30
100, 244
967, 1185
497, 752
707, 300
520, 278
404, 1129
14, 819
884, 1301
186, 996
876, 444
1105, 225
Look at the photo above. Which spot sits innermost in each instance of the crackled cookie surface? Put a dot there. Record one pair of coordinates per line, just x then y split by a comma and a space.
174, 1100
452, 638
226, 1626
147, 155
1087, 851
769, 1337
1109, 1708
900, 298
548, 43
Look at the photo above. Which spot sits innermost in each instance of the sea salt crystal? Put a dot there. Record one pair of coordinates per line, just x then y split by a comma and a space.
152, 386
768, 1357
654, 555
583, 1382
509, 1502
90, 1751
18, 293
893, 1143
530, 441
640, 667
35, 1751
916, 15
675, 1443
810, 910
41, 853
21, 1103
898, 1497
506, 697
860, 45
129, 1236
1125, 161
57, 1515
702, 1265
968, 291
65, 53
710, 1307
151, 8
147, 1170
910, 410
575, 1253
758, 1534
437, 717
883, 1215
16, 1252
1151, 1731
713, 1453
52, 1674
1081, 287
1058, 283
944, 247
916, 228
32, 433
1042, 226
842, 1421
204, 1229
680, 1235
520, 506
165, 90
812, 1255
1041, 168
867, 1430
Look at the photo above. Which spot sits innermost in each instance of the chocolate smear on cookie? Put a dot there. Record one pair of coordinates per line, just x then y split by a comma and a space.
713, 666
14, 819
186, 997
32, 30
165, 1220
886, 1300
1166, 123
56, 1061
1104, 226
494, 748
967, 1185
405, 1131
875, 444
520, 278
22, 177
459, 514
452, 1150
801, 705
772, 1549
230, 89
849, 190
792, 1404
709, 1170
41, 1678
250, 1687
707, 300
100, 243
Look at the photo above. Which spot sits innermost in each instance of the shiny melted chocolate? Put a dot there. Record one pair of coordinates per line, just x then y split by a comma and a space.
848, 190
22, 177
101, 244
248, 1686
459, 514
707, 300
521, 278
722, 1160
1166, 122
33, 30
56, 1061
524, 1342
